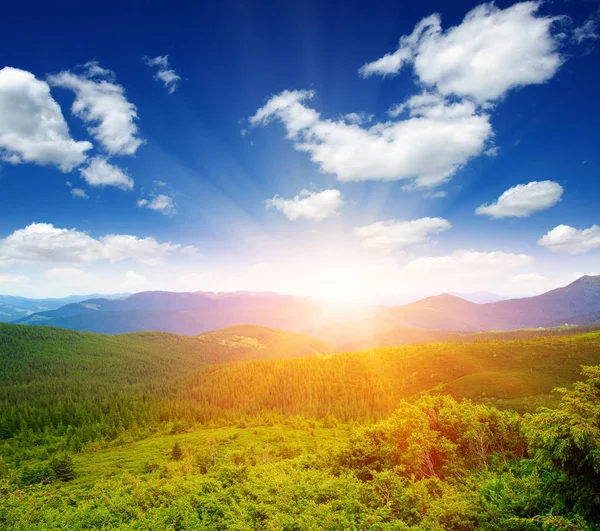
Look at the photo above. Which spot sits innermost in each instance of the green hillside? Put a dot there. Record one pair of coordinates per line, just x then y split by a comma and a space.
161, 432
52, 378
357, 339
519, 374
273, 343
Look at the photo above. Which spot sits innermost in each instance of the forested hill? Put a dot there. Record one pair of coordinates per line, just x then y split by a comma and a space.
519, 374
51, 377
157, 431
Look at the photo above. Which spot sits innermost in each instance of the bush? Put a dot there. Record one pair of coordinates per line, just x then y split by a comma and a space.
63, 468
40, 473
177, 452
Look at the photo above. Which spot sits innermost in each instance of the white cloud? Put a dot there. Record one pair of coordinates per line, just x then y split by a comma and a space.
588, 30
392, 234
426, 148
32, 126
436, 195
358, 118
463, 270
523, 200
99, 172
134, 281
102, 104
117, 247
309, 205
164, 73
78, 193
568, 240
161, 203
5, 279
423, 101
42, 242
492, 51
67, 274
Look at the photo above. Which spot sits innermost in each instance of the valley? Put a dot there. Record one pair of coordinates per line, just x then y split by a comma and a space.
368, 424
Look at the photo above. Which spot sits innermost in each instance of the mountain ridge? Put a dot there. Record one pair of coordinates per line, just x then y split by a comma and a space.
193, 313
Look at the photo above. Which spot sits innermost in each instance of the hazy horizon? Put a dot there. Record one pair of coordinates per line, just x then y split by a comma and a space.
479, 297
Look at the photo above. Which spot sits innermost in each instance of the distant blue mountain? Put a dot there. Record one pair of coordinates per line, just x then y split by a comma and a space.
195, 313
13, 308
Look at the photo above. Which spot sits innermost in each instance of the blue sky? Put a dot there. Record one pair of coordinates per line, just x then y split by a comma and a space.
235, 145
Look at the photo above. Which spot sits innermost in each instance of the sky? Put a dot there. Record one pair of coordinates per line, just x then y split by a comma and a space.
354, 150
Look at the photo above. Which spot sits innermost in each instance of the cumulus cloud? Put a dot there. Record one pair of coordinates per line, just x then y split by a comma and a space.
358, 118
569, 240
492, 51
102, 104
523, 200
161, 203
164, 73
463, 270
426, 148
392, 234
78, 193
42, 242
315, 206
32, 126
99, 172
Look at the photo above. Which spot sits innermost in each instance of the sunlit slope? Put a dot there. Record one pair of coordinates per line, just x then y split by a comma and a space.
518, 373
268, 341
361, 340
50, 376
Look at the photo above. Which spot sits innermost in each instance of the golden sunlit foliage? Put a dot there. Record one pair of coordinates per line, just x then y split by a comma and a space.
370, 385
155, 431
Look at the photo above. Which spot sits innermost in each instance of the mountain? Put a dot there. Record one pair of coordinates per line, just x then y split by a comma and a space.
447, 312
13, 308
199, 312
183, 313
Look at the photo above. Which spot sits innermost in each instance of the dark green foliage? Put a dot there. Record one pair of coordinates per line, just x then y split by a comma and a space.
38, 473
62, 467
90, 387
176, 452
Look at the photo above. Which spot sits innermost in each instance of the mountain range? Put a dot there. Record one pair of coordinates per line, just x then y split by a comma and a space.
200, 312
12, 308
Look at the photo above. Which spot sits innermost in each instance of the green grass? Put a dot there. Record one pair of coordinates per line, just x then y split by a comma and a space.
264, 443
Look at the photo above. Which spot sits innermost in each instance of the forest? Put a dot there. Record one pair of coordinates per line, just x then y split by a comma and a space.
252, 428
